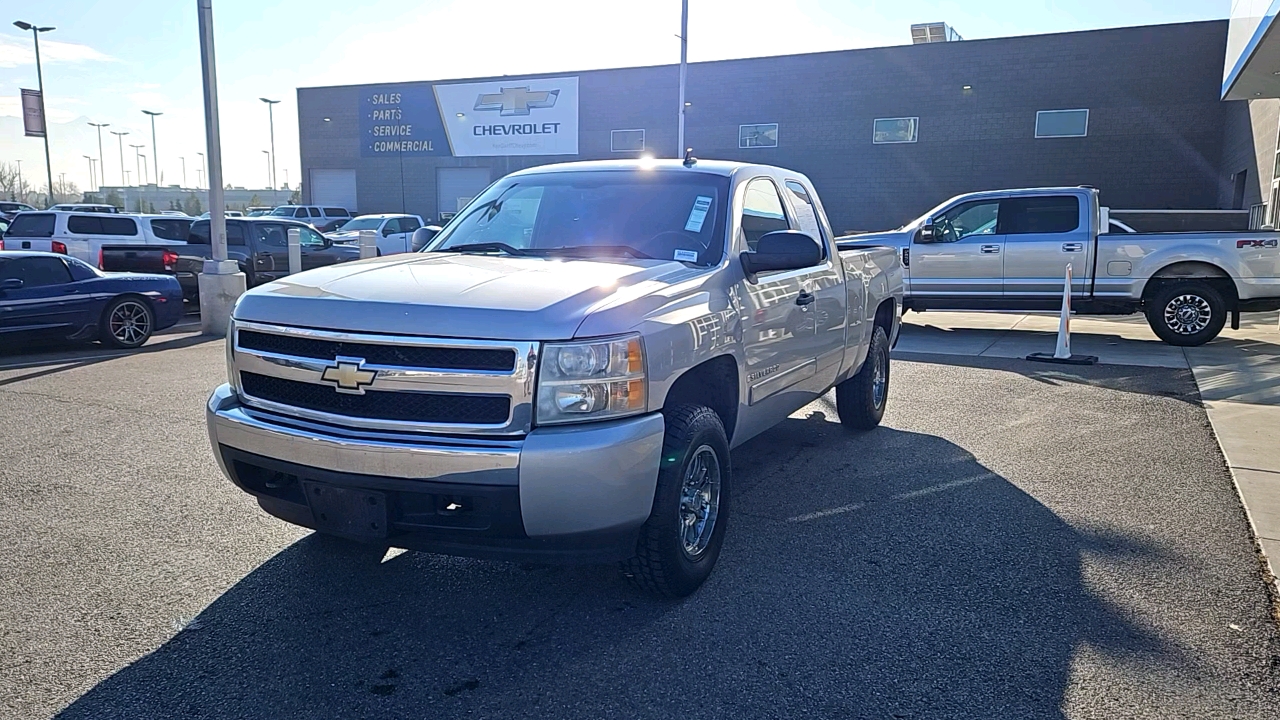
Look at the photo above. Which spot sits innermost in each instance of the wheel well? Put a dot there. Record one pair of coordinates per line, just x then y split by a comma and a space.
1192, 270
884, 316
713, 383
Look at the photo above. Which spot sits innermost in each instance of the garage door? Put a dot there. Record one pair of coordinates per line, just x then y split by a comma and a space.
456, 187
334, 188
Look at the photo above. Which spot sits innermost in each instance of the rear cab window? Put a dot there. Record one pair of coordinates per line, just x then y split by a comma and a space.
175, 229
1037, 215
336, 212
102, 225
199, 234
33, 225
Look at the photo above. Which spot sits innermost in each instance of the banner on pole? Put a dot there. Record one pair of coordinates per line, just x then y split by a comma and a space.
32, 113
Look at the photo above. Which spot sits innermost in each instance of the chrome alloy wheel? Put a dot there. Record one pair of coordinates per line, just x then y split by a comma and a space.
699, 501
1188, 314
130, 323
879, 379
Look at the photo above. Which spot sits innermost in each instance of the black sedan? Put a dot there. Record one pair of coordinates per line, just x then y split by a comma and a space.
43, 295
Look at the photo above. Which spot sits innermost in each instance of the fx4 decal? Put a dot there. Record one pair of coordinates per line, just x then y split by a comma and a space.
1266, 243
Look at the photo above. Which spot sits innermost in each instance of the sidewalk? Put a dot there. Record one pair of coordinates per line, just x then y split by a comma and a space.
1238, 375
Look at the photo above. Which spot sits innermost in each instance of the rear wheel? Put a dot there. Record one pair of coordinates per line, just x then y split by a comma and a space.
681, 540
861, 400
1187, 313
127, 323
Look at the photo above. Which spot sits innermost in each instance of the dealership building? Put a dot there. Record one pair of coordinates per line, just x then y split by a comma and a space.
884, 133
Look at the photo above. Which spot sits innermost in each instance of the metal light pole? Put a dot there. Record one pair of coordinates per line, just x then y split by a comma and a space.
102, 164
35, 36
272, 122
221, 282
684, 69
155, 164
22, 194
90, 159
120, 137
204, 171
137, 161
95, 172
184, 170
268, 154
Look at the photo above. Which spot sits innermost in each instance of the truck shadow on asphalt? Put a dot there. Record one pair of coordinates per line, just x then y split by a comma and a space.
900, 579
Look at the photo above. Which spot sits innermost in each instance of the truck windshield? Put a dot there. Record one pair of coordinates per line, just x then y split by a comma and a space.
283, 211
364, 223
639, 214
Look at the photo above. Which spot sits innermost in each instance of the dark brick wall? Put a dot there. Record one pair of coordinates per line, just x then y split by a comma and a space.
1249, 144
1156, 138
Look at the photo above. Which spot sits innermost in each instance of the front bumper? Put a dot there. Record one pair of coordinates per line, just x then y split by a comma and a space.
567, 494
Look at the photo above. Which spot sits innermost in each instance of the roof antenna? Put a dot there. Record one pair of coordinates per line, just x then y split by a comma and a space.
689, 159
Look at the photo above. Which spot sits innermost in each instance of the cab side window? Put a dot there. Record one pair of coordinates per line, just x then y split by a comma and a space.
966, 219
391, 227
409, 224
272, 235
315, 211
300, 213
806, 213
309, 237
1036, 215
762, 212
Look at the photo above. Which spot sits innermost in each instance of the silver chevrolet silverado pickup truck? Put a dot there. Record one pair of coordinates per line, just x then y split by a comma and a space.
561, 373
1008, 250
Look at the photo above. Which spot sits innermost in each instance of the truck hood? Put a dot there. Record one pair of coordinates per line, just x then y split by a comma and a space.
489, 297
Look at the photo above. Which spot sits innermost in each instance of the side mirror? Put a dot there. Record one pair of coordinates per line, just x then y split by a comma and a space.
386, 231
11, 284
927, 232
781, 250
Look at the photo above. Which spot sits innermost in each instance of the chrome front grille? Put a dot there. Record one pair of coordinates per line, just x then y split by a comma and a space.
387, 382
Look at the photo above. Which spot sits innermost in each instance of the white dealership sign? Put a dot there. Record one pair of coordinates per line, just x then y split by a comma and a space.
538, 116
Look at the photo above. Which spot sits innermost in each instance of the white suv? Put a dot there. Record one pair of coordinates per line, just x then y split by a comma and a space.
324, 219
82, 235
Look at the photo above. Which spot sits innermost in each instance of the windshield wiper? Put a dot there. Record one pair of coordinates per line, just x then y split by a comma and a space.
486, 247
589, 250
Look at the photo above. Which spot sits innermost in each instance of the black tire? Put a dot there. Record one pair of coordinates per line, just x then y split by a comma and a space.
1177, 311
127, 323
662, 563
861, 400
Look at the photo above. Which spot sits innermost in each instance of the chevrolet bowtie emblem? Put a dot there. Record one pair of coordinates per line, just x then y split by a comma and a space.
517, 100
349, 375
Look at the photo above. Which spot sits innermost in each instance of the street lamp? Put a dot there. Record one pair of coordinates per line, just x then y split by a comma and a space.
137, 161
155, 164
271, 121
102, 165
184, 170
22, 192
268, 154
204, 171
90, 159
120, 137
35, 36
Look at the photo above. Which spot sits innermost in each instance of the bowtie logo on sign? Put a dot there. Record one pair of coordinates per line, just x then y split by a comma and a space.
517, 100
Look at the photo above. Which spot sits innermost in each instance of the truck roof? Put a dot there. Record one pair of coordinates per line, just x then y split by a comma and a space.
710, 167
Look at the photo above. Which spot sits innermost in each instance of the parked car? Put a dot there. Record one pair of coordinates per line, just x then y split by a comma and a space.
561, 376
395, 232
1008, 250
227, 213
86, 207
175, 213
324, 219
9, 209
45, 295
257, 211
259, 245
82, 234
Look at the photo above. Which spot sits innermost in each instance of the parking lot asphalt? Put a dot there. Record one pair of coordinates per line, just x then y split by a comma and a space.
1017, 541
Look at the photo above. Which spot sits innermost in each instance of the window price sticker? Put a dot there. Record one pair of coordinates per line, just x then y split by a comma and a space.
698, 214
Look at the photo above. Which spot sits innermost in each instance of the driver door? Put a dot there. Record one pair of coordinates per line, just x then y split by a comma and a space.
964, 259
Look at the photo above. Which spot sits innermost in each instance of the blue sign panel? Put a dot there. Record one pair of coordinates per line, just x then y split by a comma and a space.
401, 121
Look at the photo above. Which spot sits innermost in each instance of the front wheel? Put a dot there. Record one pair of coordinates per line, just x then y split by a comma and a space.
127, 323
681, 540
861, 400
1186, 314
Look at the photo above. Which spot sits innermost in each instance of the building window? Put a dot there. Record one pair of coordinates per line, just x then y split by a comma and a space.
758, 136
895, 130
1257, 215
626, 140
1062, 123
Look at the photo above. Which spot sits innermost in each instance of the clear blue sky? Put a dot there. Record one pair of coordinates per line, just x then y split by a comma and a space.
107, 61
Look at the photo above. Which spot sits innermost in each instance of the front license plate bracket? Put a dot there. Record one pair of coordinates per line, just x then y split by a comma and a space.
352, 512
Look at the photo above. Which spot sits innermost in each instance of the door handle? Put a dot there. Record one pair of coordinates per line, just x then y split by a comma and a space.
805, 298
1072, 247
262, 254
990, 249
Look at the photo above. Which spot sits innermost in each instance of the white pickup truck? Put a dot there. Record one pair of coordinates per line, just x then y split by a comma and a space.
1008, 250
561, 373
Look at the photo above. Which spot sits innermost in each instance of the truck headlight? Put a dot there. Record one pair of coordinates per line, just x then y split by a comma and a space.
592, 380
